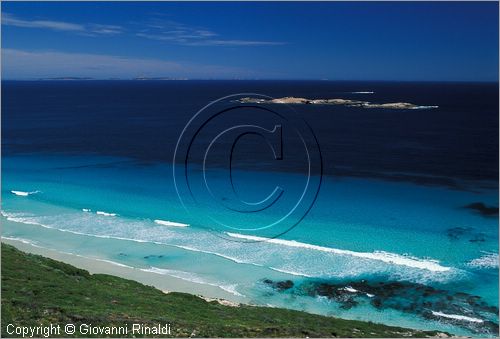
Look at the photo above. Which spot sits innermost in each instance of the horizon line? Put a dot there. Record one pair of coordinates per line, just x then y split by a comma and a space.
160, 79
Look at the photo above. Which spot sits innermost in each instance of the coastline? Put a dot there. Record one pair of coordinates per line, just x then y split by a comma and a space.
103, 303
164, 283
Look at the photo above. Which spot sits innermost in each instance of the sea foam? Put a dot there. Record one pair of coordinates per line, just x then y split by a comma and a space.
387, 257
170, 223
457, 317
106, 214
290, 272
179, 239
192, 277
22, 240
487, 261
350, 289
24, 194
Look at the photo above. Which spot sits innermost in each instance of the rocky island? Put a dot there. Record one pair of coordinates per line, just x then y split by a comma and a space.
337, 101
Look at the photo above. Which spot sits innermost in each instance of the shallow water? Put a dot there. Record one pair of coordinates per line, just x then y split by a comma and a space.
95, 206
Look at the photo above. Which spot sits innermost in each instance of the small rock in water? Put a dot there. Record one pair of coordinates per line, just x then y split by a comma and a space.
284, 285
279, 285
408, 297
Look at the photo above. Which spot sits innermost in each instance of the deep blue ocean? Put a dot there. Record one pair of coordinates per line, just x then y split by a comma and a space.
403, 230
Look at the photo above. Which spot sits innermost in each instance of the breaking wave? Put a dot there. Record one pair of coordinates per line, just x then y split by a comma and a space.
392, 258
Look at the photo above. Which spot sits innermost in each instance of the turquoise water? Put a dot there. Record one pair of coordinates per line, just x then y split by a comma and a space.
358, 230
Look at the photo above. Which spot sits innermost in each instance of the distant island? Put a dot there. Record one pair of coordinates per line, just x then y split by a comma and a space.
67, 78
338, 101
159, 78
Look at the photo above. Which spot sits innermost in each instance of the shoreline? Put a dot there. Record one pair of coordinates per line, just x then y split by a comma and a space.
164, 283
104, 301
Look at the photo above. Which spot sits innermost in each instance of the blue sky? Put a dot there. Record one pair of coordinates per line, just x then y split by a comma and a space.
451, 41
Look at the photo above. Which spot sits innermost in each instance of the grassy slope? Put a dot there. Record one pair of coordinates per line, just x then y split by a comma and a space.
37, 290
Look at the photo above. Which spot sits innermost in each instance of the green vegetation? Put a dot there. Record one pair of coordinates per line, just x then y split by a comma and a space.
37, 290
